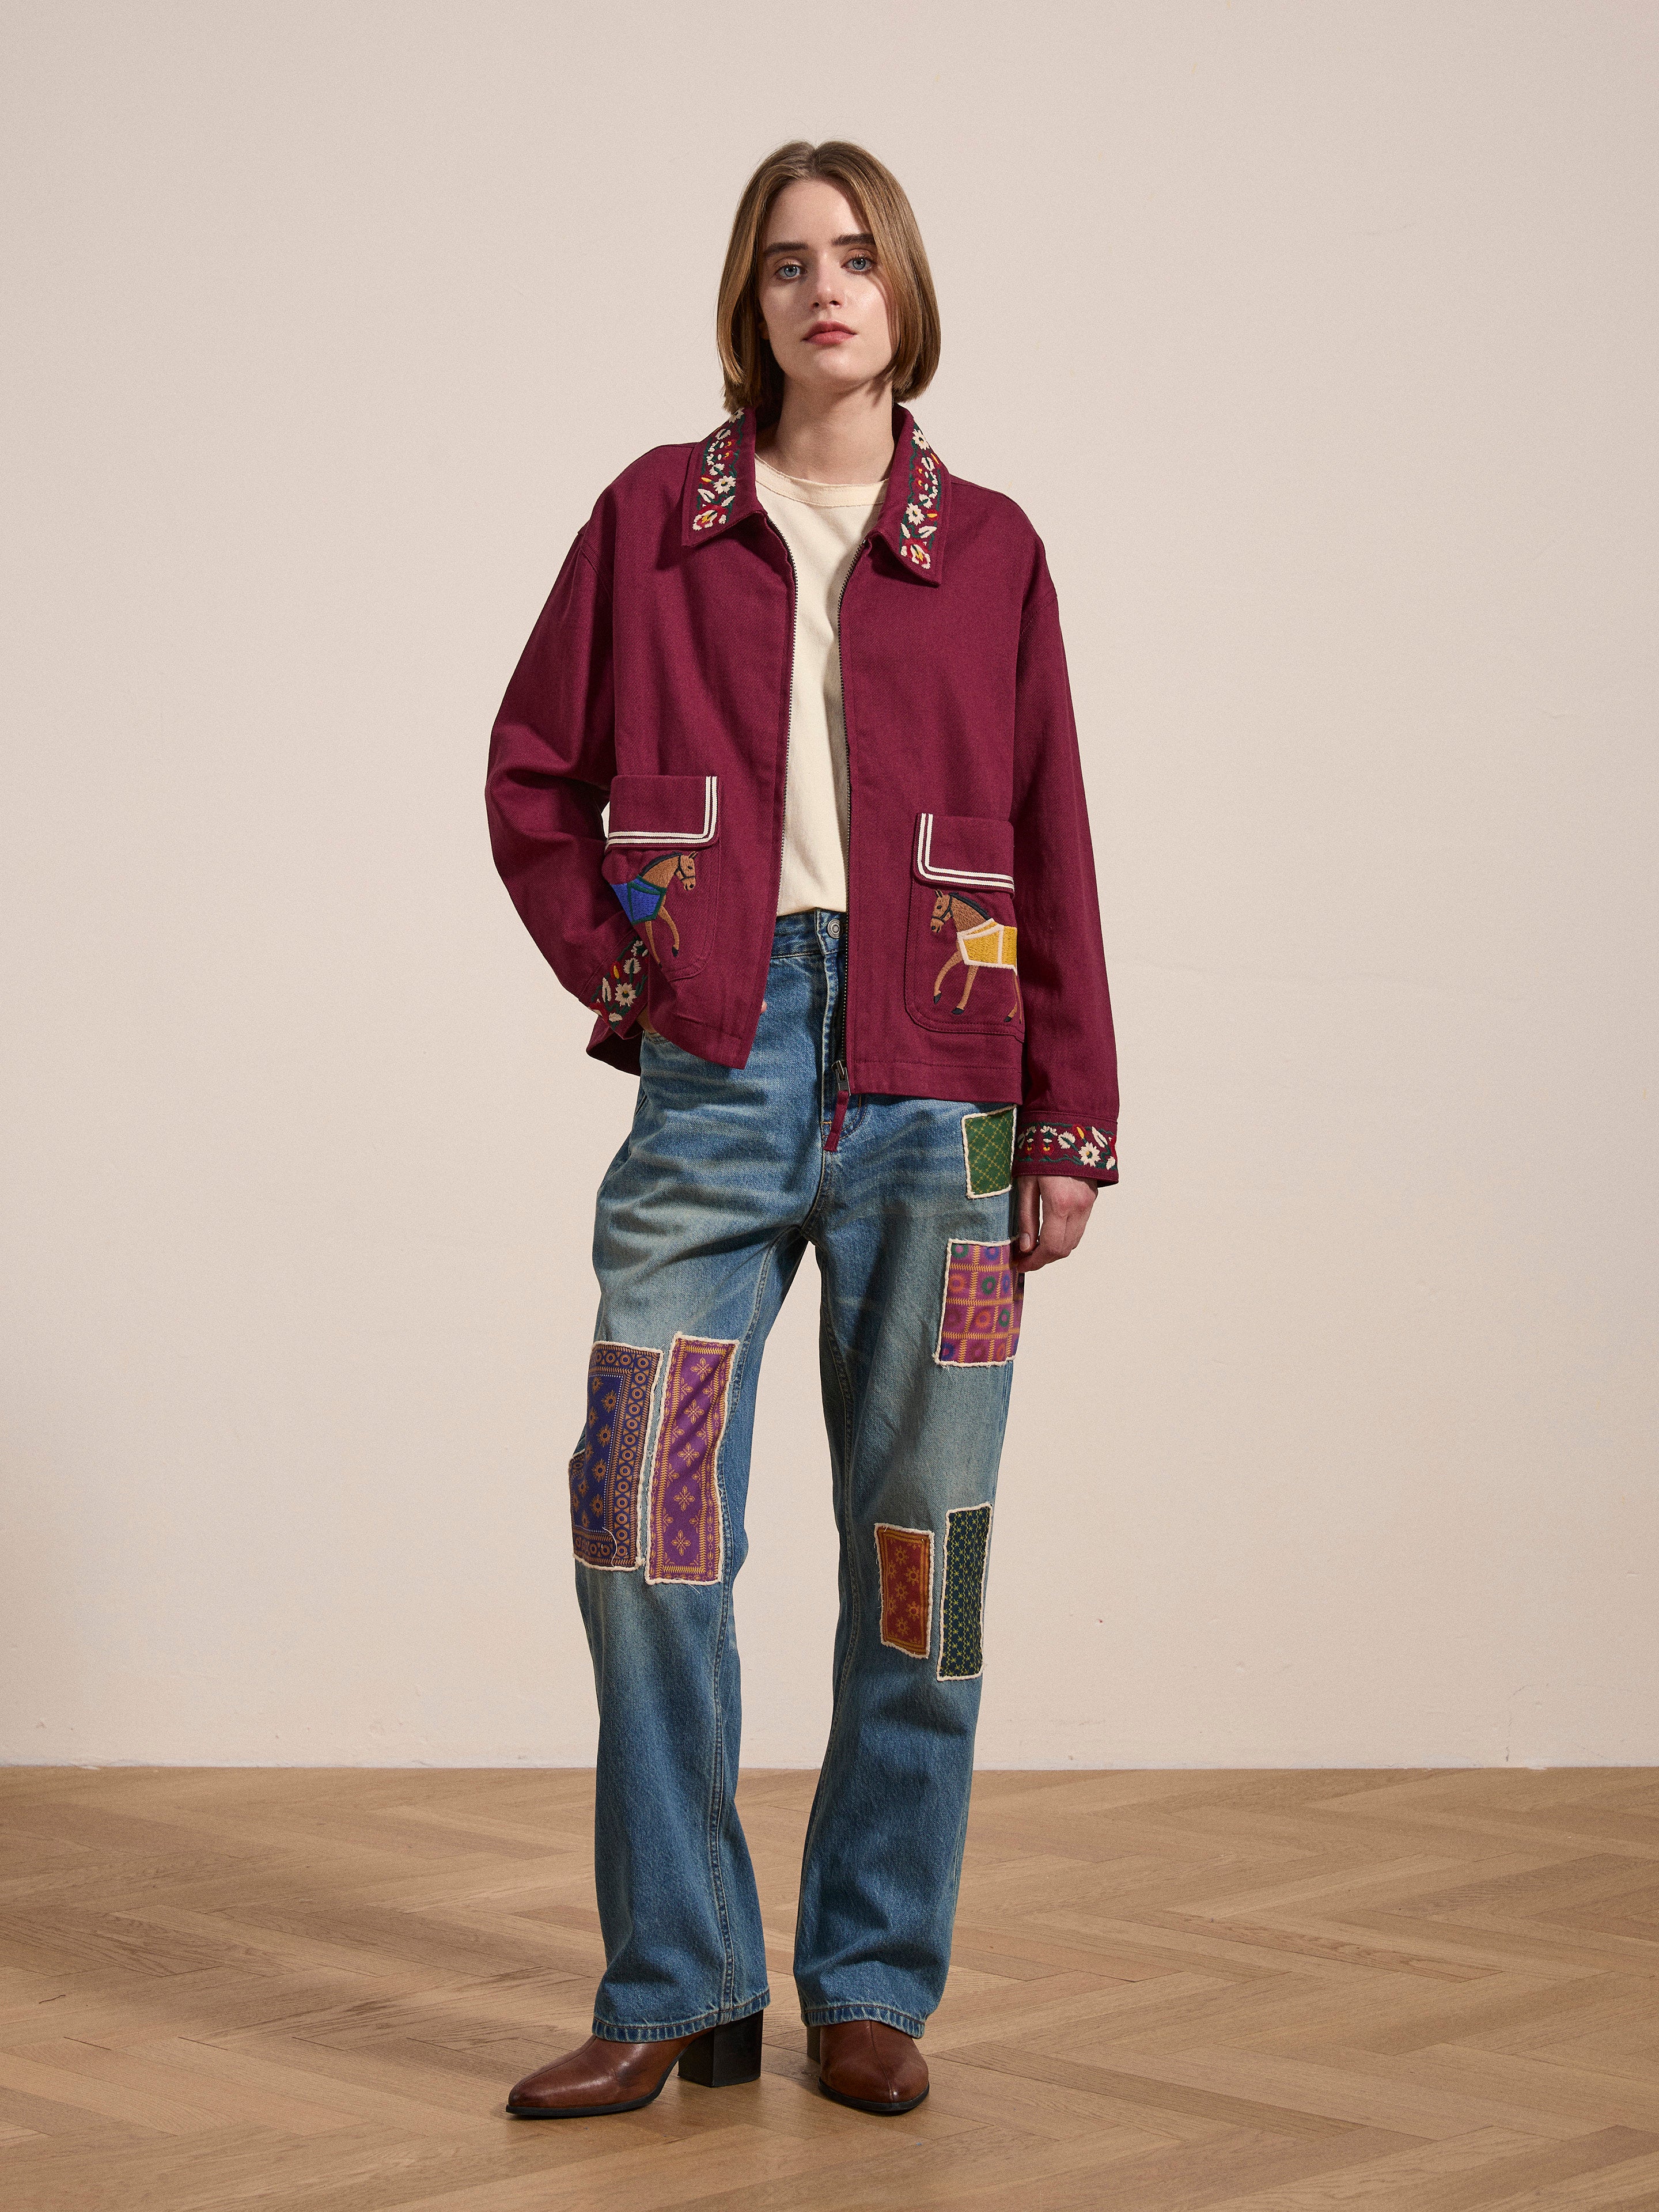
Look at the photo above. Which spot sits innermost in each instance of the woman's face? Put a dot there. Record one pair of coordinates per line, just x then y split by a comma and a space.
822, 298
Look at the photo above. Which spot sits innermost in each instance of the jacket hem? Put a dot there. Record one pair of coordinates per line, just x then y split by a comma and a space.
954, 1081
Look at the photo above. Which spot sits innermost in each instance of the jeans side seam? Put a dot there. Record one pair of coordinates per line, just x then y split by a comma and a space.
849, 1447
717, 1791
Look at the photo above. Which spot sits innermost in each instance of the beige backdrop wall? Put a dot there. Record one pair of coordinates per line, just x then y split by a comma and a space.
1318, 343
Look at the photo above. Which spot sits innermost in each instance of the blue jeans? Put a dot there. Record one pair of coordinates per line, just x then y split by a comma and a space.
727, 1176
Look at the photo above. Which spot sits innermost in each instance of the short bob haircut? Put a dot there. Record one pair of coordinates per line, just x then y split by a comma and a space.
752, 376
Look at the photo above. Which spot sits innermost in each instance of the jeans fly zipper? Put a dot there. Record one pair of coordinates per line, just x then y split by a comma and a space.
832, 1142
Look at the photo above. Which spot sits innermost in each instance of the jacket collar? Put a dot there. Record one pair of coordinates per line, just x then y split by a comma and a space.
720, 492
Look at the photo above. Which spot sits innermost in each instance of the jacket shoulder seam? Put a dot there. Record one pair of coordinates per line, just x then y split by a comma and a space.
599, 576
1045, 596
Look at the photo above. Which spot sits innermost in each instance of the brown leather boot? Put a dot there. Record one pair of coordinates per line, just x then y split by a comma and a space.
868, 2065
603, 2076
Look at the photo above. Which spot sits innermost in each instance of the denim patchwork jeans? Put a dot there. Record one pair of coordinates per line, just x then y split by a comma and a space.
726, 1178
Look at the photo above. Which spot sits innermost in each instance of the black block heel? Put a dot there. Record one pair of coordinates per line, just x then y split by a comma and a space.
721, 2056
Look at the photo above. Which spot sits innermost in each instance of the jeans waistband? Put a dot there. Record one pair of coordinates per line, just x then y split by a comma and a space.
815, 926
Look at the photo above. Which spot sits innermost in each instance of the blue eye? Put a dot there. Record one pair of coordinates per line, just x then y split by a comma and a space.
787, 268
860, 261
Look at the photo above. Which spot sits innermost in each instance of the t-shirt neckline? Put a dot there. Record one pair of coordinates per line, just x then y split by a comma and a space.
811, 493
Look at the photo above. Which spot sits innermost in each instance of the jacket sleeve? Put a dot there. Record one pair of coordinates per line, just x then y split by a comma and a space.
1068, 1122
552, 756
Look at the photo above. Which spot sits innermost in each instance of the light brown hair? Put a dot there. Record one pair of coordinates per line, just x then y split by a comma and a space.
752, 376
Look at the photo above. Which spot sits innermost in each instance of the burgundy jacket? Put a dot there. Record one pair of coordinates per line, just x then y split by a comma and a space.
658, 679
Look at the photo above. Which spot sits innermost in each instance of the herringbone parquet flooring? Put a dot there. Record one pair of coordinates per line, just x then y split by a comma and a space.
1288, 1992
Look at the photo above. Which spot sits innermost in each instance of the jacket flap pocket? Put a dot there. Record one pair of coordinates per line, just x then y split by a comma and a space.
677, 811
964, 850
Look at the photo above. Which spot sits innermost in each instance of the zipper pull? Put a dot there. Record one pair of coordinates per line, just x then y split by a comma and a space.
832, 1142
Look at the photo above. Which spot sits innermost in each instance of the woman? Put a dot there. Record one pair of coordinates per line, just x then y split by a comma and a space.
842, 921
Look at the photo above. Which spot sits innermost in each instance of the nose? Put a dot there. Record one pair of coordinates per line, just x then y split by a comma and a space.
828, 291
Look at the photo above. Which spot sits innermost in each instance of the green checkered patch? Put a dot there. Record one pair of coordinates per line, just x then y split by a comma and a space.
988, 1145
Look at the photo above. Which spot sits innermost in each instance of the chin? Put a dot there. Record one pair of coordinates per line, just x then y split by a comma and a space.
841, 369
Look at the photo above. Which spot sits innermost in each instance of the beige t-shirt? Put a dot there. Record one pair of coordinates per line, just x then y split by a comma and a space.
823, 526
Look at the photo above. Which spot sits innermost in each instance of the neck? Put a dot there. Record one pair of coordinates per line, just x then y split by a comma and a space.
842, 437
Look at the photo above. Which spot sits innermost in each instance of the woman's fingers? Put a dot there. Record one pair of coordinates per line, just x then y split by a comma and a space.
1050, 1215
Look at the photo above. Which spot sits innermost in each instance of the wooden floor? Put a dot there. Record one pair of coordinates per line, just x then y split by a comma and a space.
1391, 1992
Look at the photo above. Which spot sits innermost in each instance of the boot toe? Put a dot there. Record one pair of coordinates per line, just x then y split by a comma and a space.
599, 2076
871, 2066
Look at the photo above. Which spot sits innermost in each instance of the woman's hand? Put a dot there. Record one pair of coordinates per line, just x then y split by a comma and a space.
1067, 1203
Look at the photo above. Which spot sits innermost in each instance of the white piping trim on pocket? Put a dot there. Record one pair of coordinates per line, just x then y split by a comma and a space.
678, 837
929, 873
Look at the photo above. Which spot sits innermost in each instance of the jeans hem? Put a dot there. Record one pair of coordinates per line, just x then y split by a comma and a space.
833, 2015
661, 2031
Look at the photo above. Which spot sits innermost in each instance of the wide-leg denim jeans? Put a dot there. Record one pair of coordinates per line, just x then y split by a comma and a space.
727, 1176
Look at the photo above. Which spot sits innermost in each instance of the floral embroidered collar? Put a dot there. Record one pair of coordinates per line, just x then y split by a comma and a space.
719, 493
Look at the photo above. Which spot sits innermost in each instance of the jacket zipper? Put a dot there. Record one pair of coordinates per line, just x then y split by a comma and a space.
788, 698
832, 1142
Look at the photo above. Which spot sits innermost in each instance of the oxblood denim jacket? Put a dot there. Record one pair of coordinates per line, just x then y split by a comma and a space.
657, 682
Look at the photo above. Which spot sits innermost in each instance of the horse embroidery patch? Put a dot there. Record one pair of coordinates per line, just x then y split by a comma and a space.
605, 1474
686, 1498
988, 1147
645, 897
979, 1325
982, 942
905, 1559
962, 1616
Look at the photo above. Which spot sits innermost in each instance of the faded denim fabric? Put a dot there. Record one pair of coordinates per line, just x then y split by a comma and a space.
703, 1217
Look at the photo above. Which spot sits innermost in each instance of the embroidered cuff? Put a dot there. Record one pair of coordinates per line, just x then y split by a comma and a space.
621, 994
1072, 1148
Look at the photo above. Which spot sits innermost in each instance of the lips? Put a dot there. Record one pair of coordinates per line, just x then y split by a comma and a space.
828, 334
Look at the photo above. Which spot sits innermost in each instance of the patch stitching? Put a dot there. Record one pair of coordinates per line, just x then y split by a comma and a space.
687, 1542
996, 1133
962, 1608
980, 1312
899, 1552
616, 1431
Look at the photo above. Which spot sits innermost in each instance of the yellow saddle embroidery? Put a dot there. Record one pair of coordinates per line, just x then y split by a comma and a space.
991, 946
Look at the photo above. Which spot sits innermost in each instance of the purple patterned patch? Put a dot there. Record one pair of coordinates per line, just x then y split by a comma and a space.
605, 1474
686, 1498
984, 1298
